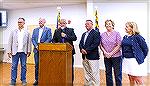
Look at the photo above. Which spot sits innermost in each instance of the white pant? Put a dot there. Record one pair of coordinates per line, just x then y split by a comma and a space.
91, 71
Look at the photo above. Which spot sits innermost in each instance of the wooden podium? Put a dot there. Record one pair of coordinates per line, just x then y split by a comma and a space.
55, 64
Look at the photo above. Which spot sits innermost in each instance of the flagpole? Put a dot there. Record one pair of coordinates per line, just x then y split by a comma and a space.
58, 16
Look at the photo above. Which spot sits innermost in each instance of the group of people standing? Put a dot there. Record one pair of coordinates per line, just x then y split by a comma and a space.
127, 54
131, 50
19, 46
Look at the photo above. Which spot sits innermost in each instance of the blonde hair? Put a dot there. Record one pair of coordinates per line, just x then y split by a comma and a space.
134, 27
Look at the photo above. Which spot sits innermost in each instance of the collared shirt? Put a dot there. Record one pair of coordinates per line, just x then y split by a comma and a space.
109, 42
20, 34
40, 34
86, 35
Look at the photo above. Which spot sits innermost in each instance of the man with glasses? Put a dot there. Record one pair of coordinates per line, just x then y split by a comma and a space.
63, 35
19, 47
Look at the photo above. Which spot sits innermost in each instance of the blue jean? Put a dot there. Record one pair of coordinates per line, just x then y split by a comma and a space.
15, 60
116, 64
36, 60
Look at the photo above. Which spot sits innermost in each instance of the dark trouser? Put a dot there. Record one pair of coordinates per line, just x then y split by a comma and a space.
15, 60
116, 63
72, 69
36, 60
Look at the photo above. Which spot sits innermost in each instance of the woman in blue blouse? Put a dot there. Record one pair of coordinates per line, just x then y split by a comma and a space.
134, 51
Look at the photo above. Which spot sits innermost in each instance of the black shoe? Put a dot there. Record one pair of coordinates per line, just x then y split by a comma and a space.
24, 83
12, 84
35, 83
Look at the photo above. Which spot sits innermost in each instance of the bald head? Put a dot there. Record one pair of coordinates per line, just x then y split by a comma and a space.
42, 22
63, 23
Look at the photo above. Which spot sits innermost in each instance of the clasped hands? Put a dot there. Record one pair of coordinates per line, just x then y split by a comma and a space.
63, 34
108, 55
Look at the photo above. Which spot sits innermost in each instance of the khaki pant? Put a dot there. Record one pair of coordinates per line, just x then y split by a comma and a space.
91, 71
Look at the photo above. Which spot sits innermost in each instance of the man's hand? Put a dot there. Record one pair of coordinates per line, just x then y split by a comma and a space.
83, 51
28, 54
63, 34
36, 47
9, 55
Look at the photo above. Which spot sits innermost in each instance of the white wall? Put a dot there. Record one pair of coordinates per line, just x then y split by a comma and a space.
76, 13
148, 26
119, 12
1, 37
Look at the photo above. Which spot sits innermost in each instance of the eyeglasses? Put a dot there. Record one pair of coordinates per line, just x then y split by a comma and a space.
62, 23
20, 22
108, 25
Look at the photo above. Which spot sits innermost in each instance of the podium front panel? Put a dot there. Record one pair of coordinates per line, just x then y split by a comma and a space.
55, 66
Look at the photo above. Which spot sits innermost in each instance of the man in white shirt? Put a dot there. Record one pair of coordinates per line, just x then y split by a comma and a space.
88, 45
41, 34
19, 47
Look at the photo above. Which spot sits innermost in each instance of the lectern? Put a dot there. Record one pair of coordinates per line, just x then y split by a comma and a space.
55, 64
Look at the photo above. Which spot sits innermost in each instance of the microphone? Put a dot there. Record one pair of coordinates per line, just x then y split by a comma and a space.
62, 38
